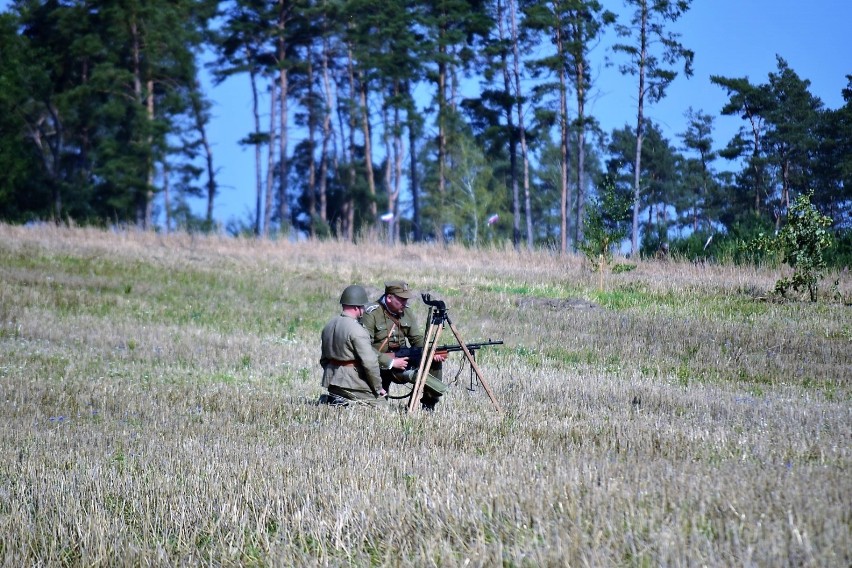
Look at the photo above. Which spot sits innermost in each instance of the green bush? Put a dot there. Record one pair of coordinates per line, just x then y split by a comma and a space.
802, 243
605, 225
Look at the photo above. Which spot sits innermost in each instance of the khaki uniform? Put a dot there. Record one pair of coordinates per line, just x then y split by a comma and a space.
350, 368
387, 335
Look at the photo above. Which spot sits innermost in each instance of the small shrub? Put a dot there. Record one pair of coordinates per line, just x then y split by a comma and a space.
802, 242
605, 225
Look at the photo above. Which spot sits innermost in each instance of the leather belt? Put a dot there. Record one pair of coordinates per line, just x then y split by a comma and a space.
340, 363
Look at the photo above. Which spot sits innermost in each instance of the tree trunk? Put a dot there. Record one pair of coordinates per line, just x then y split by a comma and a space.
387, 175
167, 202
312, 121
326, 133
257, 150
785, 184
139, 199
348, 205
412, 182
343, 154
393, 167
643, 39
197, 106
510, 126
368, 145
755, 134
149, 178
49, 141
283, 116
785, 192
397, 178
581, 154
565, 200
270, 162
521, 131
442, 128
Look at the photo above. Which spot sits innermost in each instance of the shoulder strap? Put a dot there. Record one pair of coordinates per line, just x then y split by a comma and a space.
390, 331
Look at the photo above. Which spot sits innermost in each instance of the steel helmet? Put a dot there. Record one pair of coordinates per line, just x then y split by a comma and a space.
354, 295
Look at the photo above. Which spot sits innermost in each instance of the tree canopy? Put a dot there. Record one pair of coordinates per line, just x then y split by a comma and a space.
374, 121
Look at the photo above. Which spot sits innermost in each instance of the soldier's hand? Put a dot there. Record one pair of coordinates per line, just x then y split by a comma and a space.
399, 363
383, 392
439, 357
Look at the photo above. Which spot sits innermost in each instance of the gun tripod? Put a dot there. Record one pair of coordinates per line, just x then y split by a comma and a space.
438, 318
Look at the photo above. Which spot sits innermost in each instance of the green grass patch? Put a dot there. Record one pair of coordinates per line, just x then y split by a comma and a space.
526, 289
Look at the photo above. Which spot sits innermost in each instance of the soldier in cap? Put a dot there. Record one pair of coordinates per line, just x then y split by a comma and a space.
390, 326
350, 367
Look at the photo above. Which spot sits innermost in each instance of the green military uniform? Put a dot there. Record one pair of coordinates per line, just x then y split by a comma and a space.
390, 332
350, 368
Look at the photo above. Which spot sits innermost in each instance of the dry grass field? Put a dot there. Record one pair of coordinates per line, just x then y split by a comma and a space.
157, 407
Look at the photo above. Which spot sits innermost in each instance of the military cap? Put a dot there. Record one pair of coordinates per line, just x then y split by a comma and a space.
399, 288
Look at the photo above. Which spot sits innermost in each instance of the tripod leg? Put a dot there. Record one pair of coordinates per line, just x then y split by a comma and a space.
415, 391
429, 348
475, 367
430, 329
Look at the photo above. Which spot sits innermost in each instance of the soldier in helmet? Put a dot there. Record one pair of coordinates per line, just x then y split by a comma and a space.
350, 368
391, 326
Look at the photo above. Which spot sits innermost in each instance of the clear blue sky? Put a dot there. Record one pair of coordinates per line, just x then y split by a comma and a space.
732, 38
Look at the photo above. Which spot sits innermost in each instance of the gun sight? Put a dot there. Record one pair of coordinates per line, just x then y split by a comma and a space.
437, 304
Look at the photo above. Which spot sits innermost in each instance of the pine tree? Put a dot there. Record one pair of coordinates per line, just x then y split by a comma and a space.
698, 171
652, 50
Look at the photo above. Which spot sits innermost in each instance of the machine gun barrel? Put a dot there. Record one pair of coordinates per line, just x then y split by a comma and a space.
414, 354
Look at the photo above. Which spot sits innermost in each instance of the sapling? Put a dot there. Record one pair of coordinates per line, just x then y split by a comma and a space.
605, 226
802, 243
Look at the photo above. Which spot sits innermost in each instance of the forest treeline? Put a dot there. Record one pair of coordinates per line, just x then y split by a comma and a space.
103, 120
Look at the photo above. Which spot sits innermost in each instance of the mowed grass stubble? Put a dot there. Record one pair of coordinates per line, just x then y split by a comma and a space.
158, 408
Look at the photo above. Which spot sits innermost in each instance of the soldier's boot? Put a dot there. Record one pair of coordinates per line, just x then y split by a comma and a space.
338, 401
332, 399
433, 390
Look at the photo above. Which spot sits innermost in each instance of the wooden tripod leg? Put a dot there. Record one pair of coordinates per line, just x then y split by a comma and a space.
431, 346
475, 367
430, 329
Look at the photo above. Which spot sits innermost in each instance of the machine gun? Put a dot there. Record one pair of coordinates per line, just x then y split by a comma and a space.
438, 318
414, 354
